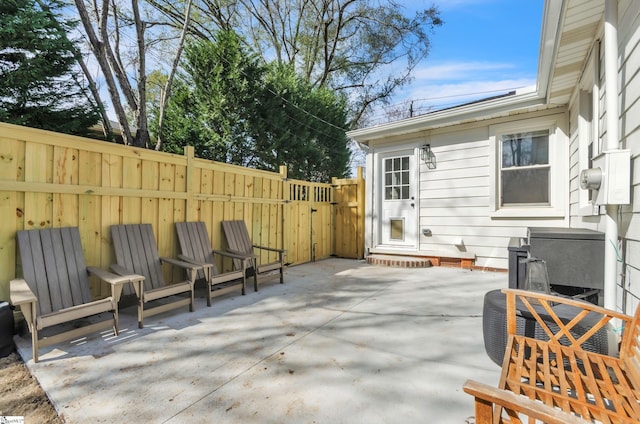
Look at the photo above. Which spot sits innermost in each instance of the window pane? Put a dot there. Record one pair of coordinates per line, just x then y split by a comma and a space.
387, 165
405, 177
525, 186
396, 164
525, 149
405, 162
396, 178
387, 179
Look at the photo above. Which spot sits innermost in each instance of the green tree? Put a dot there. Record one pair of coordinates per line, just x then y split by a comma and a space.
39, 85
303, 128
366, 49
214, 100
232, 108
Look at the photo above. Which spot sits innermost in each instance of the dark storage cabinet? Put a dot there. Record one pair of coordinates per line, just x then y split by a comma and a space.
574, 256
518, 253
6, 329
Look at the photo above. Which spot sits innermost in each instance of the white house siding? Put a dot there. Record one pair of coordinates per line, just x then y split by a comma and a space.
629, 216
455, 197
629, 53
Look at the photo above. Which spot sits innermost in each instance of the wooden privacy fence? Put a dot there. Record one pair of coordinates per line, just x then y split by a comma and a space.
54, 180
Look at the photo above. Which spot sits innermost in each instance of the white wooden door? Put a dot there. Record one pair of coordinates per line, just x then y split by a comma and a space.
398, 224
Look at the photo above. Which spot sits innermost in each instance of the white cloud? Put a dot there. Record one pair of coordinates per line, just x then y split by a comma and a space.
459, 91
457, 4
458, 70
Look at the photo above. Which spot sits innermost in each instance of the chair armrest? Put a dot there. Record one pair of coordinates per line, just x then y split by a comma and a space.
233, 254
239, 253
20, 293
120, 270
194, 262
114, 279
272, 249
486, 396
182, 264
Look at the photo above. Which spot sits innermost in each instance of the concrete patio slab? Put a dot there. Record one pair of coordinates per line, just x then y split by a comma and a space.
340, 342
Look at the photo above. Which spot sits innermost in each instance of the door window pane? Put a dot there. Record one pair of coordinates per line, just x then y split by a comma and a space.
396, 178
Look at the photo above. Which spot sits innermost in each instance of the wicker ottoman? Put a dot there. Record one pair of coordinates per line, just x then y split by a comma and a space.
494, 327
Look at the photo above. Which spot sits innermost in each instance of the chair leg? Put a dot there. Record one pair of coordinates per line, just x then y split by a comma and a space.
115, 321
255, 274
32, 322
34, 342
208, 274
138, 286
281, 269
192, 276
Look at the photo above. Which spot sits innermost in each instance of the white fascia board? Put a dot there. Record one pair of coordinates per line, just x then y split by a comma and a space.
552, 16
449, 117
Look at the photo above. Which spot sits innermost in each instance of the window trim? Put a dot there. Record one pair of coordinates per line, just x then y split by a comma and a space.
557, 170
588, 130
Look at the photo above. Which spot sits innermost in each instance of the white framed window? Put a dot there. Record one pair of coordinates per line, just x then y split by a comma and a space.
524, 169
527, 169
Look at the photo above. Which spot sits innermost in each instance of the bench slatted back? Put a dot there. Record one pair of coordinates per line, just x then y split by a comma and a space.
54, 268
195, 243
136, 250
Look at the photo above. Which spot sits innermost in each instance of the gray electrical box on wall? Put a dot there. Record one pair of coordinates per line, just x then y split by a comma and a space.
574, 256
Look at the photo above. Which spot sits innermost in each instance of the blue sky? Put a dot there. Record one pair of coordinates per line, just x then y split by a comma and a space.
485, 47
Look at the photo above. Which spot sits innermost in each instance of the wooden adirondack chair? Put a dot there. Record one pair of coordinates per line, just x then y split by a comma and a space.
195, 246
55, 287
137, 252
239, 242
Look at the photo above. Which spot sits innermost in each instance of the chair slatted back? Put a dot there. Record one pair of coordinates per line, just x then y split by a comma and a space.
238, 239
630, 349
54, 268
237, 236
195, 243
136, 250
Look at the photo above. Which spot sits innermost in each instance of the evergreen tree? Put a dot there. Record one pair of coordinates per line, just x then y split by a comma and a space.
39, 85
233, 109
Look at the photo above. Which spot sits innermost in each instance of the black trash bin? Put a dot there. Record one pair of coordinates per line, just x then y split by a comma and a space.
6, 329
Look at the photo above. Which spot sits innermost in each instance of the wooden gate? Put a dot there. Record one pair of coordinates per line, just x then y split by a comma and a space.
308, 221
323, 220
349, 201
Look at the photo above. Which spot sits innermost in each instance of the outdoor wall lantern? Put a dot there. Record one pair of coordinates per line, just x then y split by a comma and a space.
427, 156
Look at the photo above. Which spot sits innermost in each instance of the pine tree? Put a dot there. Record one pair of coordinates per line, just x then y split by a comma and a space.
39, 84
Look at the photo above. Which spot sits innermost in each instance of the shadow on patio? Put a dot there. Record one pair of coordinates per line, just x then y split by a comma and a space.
340, 341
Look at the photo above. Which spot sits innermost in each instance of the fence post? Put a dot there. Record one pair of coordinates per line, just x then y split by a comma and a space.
361, 211
285, 211
190, 212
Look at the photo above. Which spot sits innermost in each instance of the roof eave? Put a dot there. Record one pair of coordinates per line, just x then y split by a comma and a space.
469, 113
549, 42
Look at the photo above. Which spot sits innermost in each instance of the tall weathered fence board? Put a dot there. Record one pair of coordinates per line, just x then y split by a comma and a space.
52, 180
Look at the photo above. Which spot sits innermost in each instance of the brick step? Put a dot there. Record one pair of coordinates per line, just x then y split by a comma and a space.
398, 261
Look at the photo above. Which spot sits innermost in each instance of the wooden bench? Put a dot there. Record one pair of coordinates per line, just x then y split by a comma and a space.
556, 380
